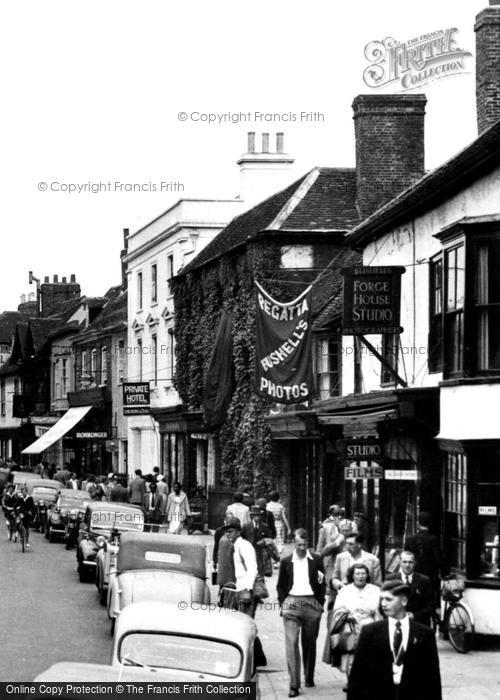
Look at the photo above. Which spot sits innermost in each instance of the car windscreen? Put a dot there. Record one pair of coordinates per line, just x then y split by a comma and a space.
40, 493
181, 652
122, 520
68, 502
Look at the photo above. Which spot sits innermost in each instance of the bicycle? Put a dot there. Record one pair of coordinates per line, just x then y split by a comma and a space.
9, 521
457, 623
19, 529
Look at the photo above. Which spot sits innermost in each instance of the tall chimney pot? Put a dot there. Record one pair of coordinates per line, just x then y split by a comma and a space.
46, 279
56, 279
251, 141
280, 142
23, 298
72, 278
265, 143
64, 280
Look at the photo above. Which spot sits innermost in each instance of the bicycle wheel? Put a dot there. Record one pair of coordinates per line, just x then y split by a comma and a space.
460, 628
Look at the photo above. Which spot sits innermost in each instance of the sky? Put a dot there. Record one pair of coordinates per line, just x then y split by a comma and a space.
93, 94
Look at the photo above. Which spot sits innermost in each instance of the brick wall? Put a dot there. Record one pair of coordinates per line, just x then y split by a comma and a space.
487, 30
389, 132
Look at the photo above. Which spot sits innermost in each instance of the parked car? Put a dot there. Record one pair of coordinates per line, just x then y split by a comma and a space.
151, 566
196, 643
100, 519
63, 517
45, 494
19, 479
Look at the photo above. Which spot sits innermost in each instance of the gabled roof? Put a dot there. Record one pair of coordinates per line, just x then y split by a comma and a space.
440, 184
321, 201
39, 330
112, 319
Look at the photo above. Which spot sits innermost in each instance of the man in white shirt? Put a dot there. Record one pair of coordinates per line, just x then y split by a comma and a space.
301, 594
239, 510
396, 659
245, 569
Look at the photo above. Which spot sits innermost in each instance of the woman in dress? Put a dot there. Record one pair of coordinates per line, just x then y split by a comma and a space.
361, 600
280, 521
177, 509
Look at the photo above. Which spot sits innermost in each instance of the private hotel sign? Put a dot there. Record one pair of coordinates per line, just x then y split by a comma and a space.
135, 398
372, 297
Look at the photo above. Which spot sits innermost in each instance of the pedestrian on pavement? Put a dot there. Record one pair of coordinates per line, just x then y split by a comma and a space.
355, 553
280, 520
25, 506
72, 482
258, 533
245, 569
425, 547
60, 476
118, 493
154, 506
222, 557
177, 509
301, 595
396, 658
266, 516
162, 485
361, 600
239, 509
330, 541
421, 602
136, 488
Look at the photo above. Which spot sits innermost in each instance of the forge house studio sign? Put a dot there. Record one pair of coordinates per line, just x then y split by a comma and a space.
372, 297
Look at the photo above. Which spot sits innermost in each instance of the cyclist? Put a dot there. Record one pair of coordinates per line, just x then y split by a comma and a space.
26, 508
8, 503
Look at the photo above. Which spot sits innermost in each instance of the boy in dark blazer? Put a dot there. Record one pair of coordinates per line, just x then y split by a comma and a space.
396, 659
301, 595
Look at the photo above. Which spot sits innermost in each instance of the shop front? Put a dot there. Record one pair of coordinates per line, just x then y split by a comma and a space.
390, 465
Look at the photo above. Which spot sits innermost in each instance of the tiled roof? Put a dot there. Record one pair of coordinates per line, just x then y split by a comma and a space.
112, 318
40, 329
322, 200
8, 321
328, 293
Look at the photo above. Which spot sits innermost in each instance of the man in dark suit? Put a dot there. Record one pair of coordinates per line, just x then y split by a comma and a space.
301, 595
425, 547
154, 506
421, 597
396, 659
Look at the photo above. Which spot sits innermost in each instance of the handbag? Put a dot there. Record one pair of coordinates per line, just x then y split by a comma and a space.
346, 641
259, 589
338, 620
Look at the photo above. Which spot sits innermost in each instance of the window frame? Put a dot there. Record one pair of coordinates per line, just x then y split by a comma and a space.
391, 354
337, 372
435, 359
154, 283
140, 290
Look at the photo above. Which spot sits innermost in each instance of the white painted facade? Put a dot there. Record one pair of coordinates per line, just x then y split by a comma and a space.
412, 245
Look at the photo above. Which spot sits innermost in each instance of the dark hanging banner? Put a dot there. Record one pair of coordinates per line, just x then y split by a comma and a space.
283, 370
218, 387
372, 298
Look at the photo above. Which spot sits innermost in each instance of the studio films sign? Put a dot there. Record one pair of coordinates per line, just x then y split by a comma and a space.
372, 297
135, 398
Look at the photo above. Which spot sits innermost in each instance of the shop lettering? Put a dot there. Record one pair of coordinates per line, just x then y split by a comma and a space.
282, 313
278, 391
352, 473
135, 388
363, 451
138, 398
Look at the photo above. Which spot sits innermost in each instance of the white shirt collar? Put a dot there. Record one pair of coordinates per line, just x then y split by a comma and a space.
295, 557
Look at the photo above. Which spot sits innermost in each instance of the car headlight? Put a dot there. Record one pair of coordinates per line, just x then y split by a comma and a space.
100, 541
42, 503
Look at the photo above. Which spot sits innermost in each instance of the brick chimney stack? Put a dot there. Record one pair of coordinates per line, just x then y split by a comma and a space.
54, 293
487, 30
389, 132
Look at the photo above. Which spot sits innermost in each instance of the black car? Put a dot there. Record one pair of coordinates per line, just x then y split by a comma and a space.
64, 517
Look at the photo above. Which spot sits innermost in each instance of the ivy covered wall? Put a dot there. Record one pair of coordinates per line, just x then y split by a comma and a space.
245, 438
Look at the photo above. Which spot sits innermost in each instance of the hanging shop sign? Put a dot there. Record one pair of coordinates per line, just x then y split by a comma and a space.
363, 449
283, 368
136, 398
487, 510
402, 474
353, 473
372, 299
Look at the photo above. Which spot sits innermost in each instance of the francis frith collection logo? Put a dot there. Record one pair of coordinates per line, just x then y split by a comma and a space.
416, 62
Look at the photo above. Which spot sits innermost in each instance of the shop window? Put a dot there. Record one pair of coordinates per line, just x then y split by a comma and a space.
328, 367
488, 510
435, 343
390, 344
487, 305
456, 508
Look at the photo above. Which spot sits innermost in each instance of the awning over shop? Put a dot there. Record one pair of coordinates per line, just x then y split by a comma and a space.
63, 425
365, 417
